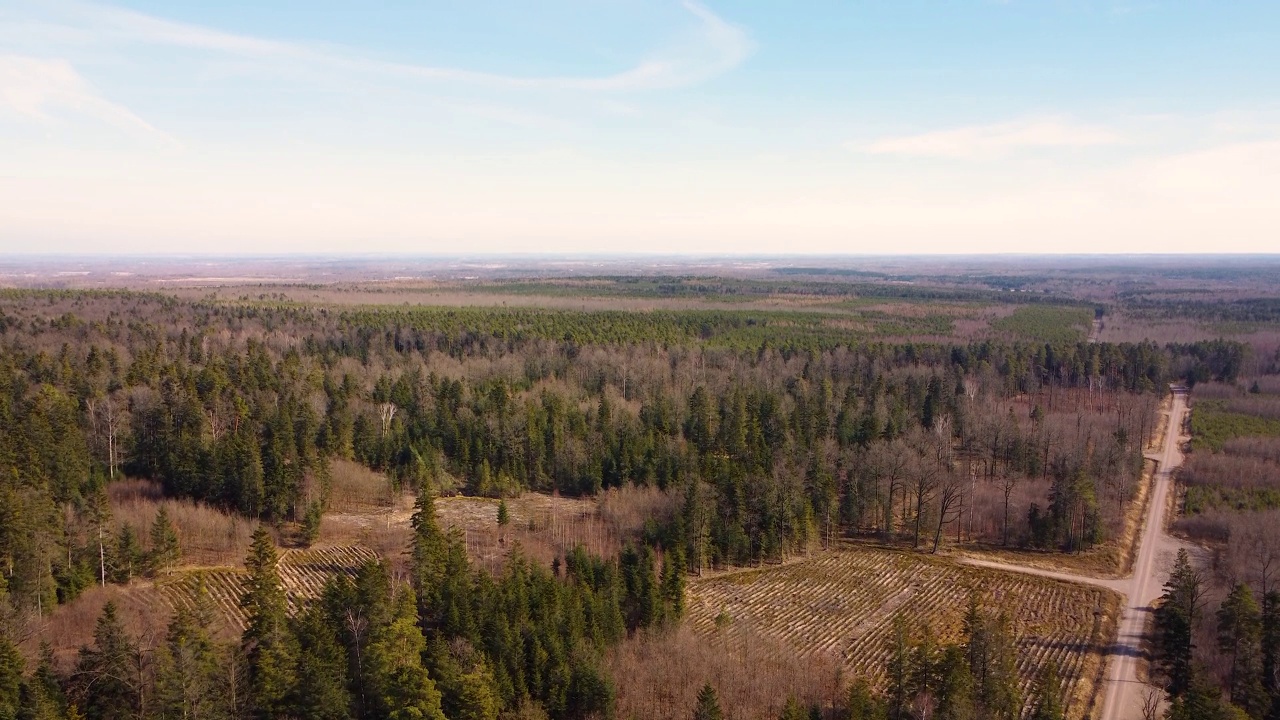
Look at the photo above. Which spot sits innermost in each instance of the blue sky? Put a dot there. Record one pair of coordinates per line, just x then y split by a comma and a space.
577, 126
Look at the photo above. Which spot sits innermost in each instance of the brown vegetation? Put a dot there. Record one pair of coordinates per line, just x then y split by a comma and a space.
208, 536
751, 673
840, 605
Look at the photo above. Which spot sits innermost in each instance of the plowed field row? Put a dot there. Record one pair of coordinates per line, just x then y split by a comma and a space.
842, 604
303, 572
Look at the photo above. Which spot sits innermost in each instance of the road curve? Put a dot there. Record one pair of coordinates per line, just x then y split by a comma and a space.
1123, 691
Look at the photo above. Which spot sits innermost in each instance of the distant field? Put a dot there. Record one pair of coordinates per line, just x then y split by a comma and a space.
841, 605
1046, 324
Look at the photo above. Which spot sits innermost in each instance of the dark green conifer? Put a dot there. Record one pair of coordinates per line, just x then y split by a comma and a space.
268, 643
708, 707
108, 677
165, 548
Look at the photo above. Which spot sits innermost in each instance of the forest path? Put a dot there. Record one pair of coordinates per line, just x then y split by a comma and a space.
1123, 690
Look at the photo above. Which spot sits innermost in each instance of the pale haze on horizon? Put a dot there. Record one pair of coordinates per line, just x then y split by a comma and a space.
639, 126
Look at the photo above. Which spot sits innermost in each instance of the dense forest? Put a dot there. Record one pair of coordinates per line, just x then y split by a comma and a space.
774, 434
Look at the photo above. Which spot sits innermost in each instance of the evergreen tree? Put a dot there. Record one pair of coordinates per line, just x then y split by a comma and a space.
187, 668
1199, 701
955, 692
1239, 637
108, 679
641, 603
41, 694
311, 522
269, 645
1048, 695
11, 669
899, 669
320, 689
926, 663
1175, 623
98, 514
403, 688
708, 707
862, 704
991, 653
673, 584
793, 710
430, 559
477, 699
590, 693
1270, 641
128, 556
165, 548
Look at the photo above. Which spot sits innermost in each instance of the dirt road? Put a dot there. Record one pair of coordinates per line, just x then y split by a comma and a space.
1124, 692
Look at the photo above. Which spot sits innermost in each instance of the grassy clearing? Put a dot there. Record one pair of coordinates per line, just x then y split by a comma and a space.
840, 606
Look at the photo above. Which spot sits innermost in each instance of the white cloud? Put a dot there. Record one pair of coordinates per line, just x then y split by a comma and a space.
716, 47
42, 89
993, 140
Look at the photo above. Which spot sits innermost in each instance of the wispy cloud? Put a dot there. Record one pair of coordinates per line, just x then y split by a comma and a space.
993, 140
717, 47
45, 89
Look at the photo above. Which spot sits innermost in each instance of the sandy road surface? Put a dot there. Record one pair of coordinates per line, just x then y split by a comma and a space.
1123, 690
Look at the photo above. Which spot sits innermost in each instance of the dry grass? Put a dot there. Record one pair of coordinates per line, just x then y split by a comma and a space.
752, 675
144, 615
208, 536
355, 488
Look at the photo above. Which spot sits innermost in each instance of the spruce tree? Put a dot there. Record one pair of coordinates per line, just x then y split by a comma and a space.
42, 697
11, 663
1270, 641
311, 522
793, 710
899, 669
268, 644
708, 707
955, 686
320, 689
477, 699
430, 559
1200, 701
107, 672
673, 584
128, 556
11, 668
403, 688
1175, 623
187, 668
165, 548
862, 704
1239, 637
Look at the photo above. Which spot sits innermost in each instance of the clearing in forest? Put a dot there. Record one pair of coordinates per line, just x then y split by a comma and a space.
303, 573
841, 605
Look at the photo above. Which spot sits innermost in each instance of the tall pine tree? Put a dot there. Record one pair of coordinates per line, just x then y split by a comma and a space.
268, 643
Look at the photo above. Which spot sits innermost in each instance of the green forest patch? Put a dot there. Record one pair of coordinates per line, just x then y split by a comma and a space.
1049, 324
1211, 426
